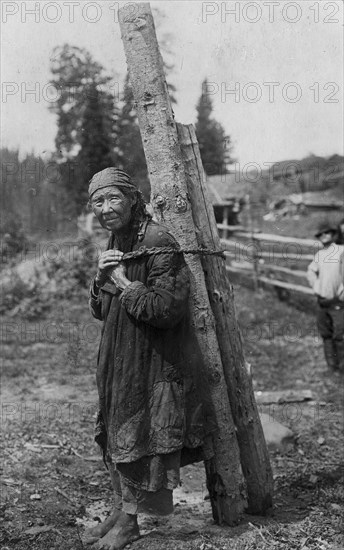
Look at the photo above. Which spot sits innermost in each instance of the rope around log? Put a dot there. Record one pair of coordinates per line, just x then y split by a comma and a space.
144, 251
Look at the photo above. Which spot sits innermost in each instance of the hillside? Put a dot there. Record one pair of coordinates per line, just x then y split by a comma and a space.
316, 178
282, 178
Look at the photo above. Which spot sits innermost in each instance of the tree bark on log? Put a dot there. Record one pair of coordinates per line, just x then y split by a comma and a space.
171, 203
253, 450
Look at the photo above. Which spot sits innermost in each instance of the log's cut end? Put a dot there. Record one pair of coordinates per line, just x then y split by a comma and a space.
226, 508
135, 13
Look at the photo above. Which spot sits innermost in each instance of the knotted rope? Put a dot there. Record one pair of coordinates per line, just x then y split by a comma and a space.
144, 251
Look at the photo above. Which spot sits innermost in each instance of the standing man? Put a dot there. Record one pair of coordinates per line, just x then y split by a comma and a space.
148, 360
326, 277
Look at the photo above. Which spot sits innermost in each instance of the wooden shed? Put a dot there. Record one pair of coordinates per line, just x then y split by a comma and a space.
227, 206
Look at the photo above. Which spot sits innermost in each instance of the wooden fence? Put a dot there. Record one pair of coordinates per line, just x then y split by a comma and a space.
260, 259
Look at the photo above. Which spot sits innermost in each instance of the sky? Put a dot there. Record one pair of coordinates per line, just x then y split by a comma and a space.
274, 69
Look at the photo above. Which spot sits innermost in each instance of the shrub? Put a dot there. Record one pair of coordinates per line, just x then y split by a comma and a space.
13, 239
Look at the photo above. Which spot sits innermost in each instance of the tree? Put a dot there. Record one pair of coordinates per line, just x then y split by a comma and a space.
87, 121
97, 142
132, 157
75, 75
9, 184
215, 146
28, 196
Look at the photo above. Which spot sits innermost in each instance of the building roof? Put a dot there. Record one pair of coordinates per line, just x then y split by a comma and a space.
225, 188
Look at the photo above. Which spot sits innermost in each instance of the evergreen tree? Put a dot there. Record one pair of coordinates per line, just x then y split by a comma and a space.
97, 142
215, 146
9, 185
132, 157
75, 75
86, 119
92, 132
22, 205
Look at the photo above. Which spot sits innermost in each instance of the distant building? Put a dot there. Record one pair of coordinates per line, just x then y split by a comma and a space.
227, 205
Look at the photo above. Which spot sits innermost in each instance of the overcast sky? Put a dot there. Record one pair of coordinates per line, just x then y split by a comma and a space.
282, 60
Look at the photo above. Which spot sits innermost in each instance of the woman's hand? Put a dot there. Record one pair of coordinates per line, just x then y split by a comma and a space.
118, 276
108, 260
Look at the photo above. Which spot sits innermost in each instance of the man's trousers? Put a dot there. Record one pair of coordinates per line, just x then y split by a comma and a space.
330, 320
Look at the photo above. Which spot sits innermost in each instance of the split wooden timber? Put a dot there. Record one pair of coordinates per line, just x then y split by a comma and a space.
253, 451
171, 203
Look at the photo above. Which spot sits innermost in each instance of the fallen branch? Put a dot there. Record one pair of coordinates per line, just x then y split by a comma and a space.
62, 493
93, 458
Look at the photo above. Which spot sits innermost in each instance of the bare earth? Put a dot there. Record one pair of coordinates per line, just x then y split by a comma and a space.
53, 479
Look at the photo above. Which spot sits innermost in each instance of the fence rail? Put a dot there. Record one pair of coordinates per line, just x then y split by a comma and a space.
262, 259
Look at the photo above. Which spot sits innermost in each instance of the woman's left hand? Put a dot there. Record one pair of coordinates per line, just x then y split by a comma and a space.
118, 276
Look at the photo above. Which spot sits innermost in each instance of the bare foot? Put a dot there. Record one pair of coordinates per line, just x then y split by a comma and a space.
93, 534
125, 531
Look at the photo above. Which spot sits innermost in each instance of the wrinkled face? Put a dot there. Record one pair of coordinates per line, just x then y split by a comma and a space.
112, 208
326, 237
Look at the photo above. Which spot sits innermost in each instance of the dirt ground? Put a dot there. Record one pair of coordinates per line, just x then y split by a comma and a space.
53, 479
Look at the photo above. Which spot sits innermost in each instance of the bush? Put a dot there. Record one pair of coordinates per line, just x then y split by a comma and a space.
13, 239
67, 277
73, 274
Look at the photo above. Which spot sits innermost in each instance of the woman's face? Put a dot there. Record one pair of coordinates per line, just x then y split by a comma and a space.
112, 208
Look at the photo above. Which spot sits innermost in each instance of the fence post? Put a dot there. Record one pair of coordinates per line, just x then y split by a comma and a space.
225, 222
255, 263
253, 240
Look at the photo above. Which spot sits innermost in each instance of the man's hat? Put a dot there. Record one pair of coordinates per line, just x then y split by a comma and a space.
108, 178
324, 227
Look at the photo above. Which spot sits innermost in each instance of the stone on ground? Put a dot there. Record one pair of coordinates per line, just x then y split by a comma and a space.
276, 435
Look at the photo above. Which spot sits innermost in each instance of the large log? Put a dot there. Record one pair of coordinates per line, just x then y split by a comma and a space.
171, 203
253, 450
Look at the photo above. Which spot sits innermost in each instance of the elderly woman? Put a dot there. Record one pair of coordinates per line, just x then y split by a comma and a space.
147, 360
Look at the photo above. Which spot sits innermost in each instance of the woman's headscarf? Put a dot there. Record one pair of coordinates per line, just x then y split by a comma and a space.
108, 178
